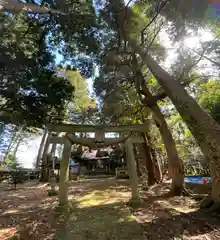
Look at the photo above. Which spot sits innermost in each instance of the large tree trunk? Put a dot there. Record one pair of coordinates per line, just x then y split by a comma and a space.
147, 172
175, 166
13, 137
2, 129
20, 137
157, 167
13, 6
40, 151
203, 127
44, 176
149, 162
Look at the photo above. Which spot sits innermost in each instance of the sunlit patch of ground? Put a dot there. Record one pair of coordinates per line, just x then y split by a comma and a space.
103, 215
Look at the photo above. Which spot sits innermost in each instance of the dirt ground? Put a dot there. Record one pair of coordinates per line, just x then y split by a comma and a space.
99, 211
168, 218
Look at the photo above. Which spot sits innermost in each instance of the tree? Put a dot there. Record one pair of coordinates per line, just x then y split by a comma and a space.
39, 93
123, 67
209, 98
201, 124
33, 38
122, 105
83, 107
28, 85
15, 6
16, 174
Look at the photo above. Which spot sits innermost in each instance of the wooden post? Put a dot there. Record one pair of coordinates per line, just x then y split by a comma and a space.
41, 148
64, 173
135, 197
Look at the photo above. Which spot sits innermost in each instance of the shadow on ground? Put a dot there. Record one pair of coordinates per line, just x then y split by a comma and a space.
28, 212
102, 214
166, 218
107, 222
192, 225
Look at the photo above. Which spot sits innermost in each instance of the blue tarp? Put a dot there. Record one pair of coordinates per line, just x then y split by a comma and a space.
198, 180
74, 164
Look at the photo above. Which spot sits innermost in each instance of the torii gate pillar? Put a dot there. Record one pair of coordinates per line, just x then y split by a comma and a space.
64, 173
135, 197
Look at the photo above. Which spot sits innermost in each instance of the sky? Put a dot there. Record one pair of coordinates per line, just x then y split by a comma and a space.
27, 154
191, 42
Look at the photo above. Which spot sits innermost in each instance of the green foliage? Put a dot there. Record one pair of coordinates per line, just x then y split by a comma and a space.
209, 98
17, 174
52, 193
11, 161
82, 108
29, 85
76, 31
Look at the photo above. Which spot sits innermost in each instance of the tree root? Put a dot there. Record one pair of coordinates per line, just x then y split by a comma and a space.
61, 210
135, 203
206, 202
179, 192
209, 205
214, 208
145, 187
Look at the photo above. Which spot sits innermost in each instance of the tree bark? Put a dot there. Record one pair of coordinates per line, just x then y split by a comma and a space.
11, 143
157, 167
40, 151
149, 162
2, 128
19, 139
44, 160
175, 166
143, 166
203, 127
17, 7
64, 174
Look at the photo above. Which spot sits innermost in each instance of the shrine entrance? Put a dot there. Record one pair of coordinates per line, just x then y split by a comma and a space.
65, 134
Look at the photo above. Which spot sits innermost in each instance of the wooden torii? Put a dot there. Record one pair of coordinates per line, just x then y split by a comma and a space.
68, 139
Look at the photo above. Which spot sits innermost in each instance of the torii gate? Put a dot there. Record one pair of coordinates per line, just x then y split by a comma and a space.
99, 141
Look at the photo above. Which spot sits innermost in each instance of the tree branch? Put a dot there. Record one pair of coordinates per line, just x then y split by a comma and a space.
158, 10
14, 6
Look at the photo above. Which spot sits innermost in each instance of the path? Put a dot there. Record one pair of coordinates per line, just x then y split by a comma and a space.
101, 213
